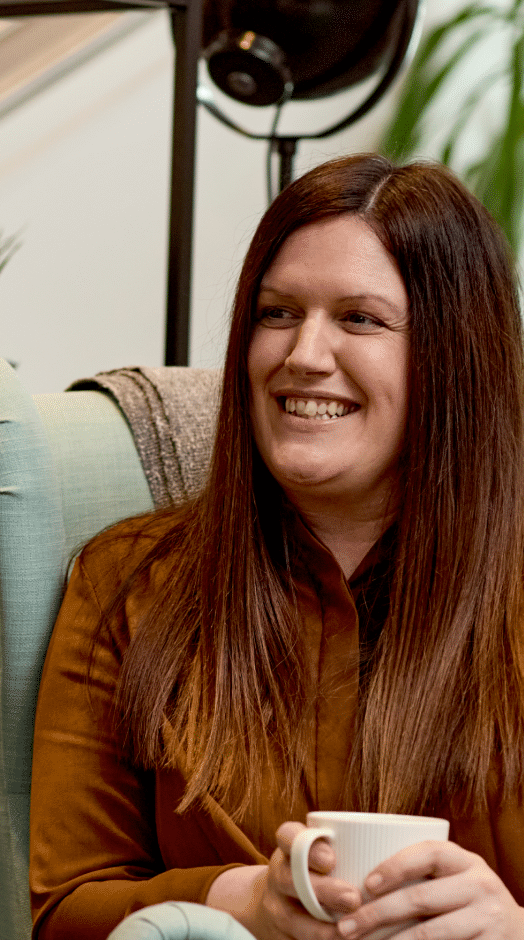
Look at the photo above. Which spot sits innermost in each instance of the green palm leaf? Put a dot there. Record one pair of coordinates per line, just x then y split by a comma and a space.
497, 175
427, 76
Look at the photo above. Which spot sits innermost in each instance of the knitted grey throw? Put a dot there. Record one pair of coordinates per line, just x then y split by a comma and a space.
172, 415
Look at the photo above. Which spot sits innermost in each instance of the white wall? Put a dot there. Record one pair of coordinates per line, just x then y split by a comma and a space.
84, 174
84, 171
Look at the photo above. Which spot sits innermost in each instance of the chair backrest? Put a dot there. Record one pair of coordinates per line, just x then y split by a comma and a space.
68, 468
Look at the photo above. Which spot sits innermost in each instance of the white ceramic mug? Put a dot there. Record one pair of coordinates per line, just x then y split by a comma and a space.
361, 841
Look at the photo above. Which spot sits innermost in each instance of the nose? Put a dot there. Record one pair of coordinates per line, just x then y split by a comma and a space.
312, 350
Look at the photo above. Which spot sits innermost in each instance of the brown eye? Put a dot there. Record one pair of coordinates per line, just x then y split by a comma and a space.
275, 316
361, 321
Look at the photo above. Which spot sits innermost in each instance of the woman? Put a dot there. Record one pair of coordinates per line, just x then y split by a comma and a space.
336, 621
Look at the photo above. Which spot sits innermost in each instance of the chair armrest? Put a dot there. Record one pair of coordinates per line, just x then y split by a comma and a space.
179, 920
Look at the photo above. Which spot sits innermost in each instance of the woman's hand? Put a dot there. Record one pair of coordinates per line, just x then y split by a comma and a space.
461, 900
264, 900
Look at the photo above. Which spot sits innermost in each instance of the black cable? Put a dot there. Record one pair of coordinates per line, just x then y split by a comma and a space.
270, 147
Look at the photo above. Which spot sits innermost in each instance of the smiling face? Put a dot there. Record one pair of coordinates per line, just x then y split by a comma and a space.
328, 363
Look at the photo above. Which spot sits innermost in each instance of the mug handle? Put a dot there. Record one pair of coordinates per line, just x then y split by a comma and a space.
300, 870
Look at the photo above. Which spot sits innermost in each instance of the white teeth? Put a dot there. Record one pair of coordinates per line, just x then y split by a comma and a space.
322, 410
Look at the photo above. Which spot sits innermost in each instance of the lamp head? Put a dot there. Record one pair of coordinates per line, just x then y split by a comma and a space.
263, 51
249, 67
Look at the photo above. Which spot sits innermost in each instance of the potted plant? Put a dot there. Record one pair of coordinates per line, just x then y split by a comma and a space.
496, 173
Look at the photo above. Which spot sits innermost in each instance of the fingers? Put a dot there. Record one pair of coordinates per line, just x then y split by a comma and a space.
321, 854
466, 924
337, 896
458, 897
333, 893
430, 859
282, 915
288, 919
422, 900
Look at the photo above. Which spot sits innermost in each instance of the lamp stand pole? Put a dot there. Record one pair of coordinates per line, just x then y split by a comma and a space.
186, 24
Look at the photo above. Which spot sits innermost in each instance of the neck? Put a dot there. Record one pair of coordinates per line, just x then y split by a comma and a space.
349, 536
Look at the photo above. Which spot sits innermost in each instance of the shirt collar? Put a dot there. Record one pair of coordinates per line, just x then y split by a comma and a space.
318, 557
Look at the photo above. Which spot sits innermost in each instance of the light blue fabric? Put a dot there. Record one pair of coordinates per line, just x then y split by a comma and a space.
179, 921
68, 468
32, 544
99, 474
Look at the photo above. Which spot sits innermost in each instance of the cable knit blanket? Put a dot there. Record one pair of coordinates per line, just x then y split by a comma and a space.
172, 413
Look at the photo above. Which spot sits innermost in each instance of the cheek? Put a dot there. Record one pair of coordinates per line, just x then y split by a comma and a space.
266, 353
387, 369
381, 374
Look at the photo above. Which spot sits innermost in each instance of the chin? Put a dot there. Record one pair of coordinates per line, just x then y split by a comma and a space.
302, 477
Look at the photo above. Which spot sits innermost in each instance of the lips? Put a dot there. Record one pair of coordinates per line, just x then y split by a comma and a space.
323, 409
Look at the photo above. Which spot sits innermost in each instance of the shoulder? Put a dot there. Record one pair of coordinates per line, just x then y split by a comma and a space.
113, 556
109, 577
116, 568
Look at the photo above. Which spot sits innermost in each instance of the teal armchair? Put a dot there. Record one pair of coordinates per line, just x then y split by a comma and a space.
68, 468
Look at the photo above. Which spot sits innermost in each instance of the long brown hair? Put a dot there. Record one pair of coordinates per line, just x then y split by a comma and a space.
216, 675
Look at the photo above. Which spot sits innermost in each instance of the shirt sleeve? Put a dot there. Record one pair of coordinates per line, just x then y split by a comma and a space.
94, 854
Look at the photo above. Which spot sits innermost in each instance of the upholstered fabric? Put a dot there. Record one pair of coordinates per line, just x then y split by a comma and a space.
171, 412
69, 467
96, 464
32, 544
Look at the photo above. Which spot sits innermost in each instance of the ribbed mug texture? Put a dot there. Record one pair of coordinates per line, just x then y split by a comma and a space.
363, 840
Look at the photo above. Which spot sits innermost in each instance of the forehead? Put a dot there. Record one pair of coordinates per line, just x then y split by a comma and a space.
341, 257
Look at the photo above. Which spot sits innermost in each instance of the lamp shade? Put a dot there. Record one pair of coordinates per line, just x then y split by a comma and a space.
259, 51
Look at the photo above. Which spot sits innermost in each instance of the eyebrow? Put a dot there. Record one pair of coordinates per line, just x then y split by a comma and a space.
350, 298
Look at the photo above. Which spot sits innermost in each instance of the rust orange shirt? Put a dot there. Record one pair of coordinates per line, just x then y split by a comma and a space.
105, 839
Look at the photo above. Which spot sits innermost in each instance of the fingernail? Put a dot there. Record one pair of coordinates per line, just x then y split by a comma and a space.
347, 928
374, 881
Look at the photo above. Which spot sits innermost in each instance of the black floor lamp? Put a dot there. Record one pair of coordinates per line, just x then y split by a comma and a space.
186, 25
